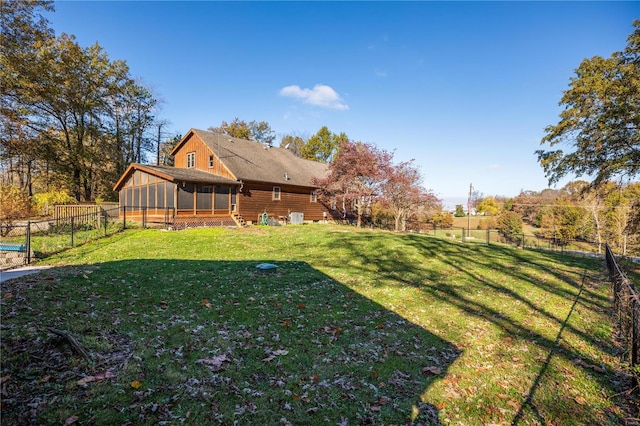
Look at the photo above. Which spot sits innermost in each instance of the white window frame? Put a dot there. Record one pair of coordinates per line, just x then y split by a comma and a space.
191, 160
314, 197
276, 195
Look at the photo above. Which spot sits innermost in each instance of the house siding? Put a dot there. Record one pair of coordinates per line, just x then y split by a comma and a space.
256, 198
195, 144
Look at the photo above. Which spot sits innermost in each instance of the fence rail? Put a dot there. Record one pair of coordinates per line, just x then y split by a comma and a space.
627, 307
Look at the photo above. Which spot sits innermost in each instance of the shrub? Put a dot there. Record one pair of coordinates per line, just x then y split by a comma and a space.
14, 204
44, 201
488, 223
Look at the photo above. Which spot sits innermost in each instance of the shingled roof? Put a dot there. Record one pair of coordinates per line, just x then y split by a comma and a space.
174, 174
252, 161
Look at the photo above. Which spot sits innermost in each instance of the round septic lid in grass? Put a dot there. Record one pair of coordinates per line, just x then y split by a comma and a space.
266, 266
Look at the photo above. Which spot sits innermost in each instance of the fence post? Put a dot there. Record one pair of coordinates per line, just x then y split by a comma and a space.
488, 237
464, 234
28, 242
106, 218
124, 217
72, 226
634, 340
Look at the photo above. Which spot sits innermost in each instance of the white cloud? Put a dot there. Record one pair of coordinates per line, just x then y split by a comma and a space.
321, 95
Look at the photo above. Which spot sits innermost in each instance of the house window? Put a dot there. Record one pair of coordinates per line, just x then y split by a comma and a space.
276, 193
313, 197
211, 161
191, 159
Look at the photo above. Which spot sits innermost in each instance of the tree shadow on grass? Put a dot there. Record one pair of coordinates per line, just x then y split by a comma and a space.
460, 276
205, 342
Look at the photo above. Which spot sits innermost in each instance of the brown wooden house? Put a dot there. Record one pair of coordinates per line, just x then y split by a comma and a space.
220, 180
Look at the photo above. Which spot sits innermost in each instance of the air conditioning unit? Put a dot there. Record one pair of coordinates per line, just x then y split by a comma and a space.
296, 218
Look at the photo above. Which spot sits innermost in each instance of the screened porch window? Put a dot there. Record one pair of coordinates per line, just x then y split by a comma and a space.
204, 197
221, 201
185, 196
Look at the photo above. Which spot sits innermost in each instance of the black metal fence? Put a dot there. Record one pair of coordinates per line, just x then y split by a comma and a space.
528, 241
627, 307
24, 241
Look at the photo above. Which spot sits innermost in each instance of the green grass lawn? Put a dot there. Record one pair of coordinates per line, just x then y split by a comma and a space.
354, 327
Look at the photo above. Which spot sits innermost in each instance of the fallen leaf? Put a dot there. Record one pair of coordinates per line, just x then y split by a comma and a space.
98, 377
431, 370
206, 303
301, 306
274, 354
286, 323
164, 304
71, 420
3, 385
513, 403
252, 299
136, 384
580, 400
216, 362
7, 296
85, 380
105, 375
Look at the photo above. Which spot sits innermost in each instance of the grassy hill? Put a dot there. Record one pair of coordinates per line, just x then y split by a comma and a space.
353, 327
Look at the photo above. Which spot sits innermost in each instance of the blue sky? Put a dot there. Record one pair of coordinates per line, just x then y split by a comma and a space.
464, 88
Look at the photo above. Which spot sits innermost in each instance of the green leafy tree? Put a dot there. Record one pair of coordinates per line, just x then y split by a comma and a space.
323, 145
261, 132
293, 143
510, 225
22, 28
600, 120
68, 114
253, 131
166, 159
459, 211
237, 129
